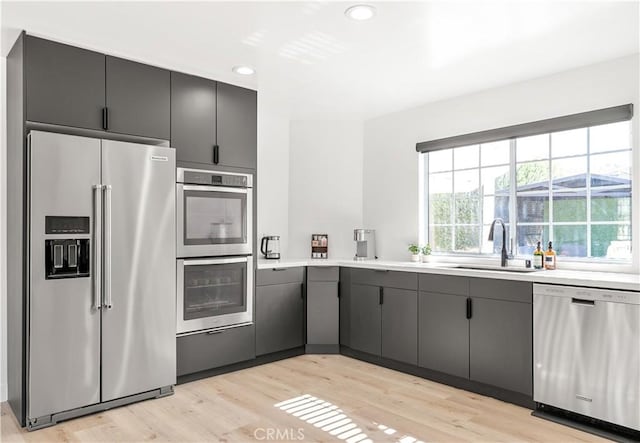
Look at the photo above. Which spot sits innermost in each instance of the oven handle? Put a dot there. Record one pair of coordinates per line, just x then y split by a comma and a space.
216, 261
207, 188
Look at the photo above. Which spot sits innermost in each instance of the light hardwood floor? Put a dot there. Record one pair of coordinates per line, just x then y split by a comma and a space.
378, 405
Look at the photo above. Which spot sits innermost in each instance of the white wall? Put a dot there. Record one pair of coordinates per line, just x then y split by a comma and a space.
273, 169
325, 185
391, 203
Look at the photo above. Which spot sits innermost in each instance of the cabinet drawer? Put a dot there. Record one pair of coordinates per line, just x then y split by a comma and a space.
317, 273
200, 352
444, 284
277, 276
381, 277
508, 290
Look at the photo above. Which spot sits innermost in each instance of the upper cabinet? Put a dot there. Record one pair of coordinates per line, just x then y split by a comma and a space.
64, 84
237, 126
193, 118
83, 89
208, 122
213, 123
138, 99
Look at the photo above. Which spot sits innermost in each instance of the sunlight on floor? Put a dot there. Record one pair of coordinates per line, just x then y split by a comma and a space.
328, 417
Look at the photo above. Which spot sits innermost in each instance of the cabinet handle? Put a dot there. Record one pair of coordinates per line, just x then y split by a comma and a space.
216, 154
469, 307
338, 289
105, 118
214, 332
279, 269
302, 291
381, 295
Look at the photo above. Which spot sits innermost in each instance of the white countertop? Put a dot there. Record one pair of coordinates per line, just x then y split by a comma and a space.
608, 280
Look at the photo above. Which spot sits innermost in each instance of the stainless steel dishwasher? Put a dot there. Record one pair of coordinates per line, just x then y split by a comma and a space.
586, 349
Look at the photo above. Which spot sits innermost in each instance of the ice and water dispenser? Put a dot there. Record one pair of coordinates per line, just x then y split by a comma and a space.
68, 256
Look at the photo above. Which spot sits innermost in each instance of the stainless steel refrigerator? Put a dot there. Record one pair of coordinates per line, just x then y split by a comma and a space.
101, 295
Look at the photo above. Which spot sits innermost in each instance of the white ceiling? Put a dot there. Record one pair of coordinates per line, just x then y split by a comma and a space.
323, 65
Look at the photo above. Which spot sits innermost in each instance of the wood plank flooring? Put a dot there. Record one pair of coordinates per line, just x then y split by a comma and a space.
320, 398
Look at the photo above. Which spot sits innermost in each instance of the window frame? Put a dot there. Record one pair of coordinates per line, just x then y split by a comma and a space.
569, 262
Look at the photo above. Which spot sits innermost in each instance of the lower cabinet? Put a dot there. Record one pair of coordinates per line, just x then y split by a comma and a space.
400, 325
279, 308
501, 344
323, 309
279, 317
214, 349
484, 335
443, 333
383, 319
365, 319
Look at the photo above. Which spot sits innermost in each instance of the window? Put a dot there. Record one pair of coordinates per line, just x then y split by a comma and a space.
571, 187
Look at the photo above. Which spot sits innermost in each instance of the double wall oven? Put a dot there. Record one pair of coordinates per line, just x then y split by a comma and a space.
215, 241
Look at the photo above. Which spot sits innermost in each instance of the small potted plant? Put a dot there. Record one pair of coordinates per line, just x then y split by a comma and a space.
426, 253
415, 252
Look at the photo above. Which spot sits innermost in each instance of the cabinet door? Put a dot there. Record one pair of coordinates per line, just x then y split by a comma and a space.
138, 99
400, 325
237, 126
64, 85
193, 118
214, 349
501, 344
365, 319
322, 313
443, 333
279, 315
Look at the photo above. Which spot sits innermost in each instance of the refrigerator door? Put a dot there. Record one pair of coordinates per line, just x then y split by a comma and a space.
138, 320
64, 322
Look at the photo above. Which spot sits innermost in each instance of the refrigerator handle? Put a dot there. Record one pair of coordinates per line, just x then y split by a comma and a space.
97, 241
107, 247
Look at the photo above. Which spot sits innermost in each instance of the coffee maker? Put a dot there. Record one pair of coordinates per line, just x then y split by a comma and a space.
270, 247
365, 244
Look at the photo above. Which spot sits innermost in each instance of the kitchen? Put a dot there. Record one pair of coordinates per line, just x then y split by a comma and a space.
331, 158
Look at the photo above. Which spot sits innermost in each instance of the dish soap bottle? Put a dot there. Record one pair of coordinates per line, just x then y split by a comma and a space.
550, 258
538, 258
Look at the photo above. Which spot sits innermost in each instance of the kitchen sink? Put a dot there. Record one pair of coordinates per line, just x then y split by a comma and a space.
488, 267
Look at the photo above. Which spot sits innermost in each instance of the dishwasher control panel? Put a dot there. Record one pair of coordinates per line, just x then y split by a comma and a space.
590, 294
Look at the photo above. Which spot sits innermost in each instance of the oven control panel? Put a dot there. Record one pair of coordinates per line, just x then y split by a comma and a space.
212, 178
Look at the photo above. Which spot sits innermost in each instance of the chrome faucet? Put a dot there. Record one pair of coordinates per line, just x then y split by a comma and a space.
504, 256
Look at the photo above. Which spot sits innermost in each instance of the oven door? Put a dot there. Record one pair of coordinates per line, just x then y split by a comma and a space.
214, 293
213, 220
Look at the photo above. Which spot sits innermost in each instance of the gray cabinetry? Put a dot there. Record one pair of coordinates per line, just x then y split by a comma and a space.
365, 318
479, 329
193, 118
137, 99
237, 126
323, 309
279, 310
64, 84
400, 325
443, 333
74, 87
213, 123
383, 319
500, 335
214, 349
443, 337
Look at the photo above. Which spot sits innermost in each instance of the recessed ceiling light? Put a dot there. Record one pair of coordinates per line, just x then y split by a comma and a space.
360, 12
243, 70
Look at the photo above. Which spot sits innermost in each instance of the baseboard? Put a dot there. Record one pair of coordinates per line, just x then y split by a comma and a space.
322, 349
260, 360
516, 398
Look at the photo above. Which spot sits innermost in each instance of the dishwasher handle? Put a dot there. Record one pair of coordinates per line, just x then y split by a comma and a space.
583, 302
